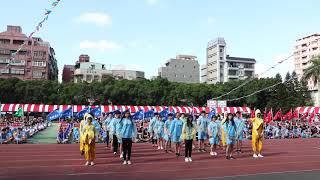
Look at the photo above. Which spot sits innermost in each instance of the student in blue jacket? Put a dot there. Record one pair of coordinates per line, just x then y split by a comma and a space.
151, 128
175, 132
128, 133
229, 127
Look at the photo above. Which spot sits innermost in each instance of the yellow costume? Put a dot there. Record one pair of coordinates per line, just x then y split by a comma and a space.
257, 132
223, 138
89, 145
83, 124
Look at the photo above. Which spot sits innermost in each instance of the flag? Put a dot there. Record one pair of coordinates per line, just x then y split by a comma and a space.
212, 113
287, 116
295, 114
267, 116
253, 113
305, 115
66, 113
19, 113
138, 115
81, 113
53, 115
96, 111
149, 114
278, 115
164, 113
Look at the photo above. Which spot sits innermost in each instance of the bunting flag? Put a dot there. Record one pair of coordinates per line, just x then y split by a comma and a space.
96, 111
54, 115
138, 115
46, 14
295, 114
312, 117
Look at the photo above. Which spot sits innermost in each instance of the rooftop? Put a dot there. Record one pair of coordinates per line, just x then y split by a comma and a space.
240, 59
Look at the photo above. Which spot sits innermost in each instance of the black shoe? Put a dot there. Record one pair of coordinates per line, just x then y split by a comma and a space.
227, 157
231, 157
166, 151
177, 154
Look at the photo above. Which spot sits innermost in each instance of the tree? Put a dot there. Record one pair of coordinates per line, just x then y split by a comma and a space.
313, 72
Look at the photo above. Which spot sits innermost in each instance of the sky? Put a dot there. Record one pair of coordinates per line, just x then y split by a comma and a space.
144, 34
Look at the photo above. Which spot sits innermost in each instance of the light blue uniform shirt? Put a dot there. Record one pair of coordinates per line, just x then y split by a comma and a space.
176, 128
213, 128
128, 129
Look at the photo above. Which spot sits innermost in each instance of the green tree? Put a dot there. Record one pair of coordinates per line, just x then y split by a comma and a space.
313, 72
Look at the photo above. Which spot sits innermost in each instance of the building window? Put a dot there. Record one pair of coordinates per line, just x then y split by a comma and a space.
4, 71
4, 52
39, 53
190, 76
221, 58
39, 63
17, 71
184, 76
37, 74
176, 75
182, 66
4, 41
175, 66
17, 62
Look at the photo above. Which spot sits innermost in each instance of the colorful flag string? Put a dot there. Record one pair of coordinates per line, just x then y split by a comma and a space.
40, 24
264, 89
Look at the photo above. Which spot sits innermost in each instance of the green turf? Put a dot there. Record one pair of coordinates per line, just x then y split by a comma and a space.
47, 136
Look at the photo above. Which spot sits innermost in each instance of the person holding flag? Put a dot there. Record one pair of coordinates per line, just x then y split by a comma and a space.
83, 124
257, 134
240, 128
202, 125
151, 127
167, 136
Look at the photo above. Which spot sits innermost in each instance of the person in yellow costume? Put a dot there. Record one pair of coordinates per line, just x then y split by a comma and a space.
88, 140
83, 124
257, 134
223, 138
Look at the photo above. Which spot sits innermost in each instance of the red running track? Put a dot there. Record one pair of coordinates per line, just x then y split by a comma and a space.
30, 161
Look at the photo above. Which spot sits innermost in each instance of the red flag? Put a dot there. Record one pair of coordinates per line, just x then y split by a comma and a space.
268, 116
295, 114
278, 115
252, 113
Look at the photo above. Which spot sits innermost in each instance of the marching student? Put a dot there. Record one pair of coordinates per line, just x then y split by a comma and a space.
257, 134
214, 131
106, 128
202, 125
188, 135
159, 131
89, 143
240, 128
128, 134
150, 129
113, 132
175, 132
229, 127
167, 136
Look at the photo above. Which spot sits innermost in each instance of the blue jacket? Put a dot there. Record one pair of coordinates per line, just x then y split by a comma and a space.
128, 129
213, 129
176, 127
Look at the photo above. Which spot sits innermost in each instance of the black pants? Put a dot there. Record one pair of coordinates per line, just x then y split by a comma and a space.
154, 141
115, 143
126, 148
188, 148
108, 138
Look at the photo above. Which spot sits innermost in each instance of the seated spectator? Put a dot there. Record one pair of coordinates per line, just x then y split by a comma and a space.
3, 137
17, 136
76, 135
62, 136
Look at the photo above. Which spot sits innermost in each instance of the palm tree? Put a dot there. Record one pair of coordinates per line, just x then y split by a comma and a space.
313, 72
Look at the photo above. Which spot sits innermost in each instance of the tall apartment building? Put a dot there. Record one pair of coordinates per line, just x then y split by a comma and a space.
35, 61
304, 50
183, 68
67, 73
222, 68
203, 73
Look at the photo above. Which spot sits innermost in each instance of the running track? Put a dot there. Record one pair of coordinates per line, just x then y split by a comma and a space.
49, 162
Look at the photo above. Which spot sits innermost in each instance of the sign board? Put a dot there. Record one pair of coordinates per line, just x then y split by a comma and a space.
216, 103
